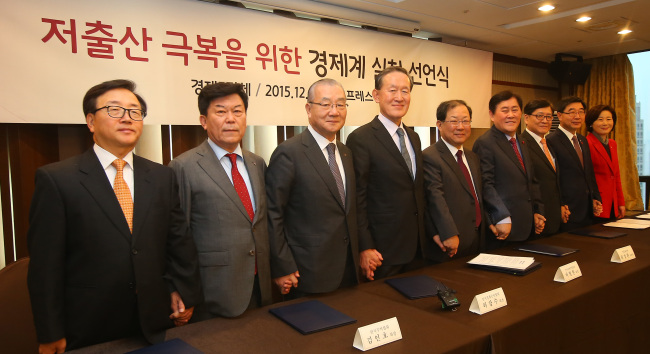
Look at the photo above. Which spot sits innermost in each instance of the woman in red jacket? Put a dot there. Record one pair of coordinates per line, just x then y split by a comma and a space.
600, 121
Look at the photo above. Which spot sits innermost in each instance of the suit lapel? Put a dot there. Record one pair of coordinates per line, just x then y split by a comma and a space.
256, 177
533, 146
568, 144
474, 168
94, 180
213, 168
453, 164
317, 159
505, 145
389, 144
348, 166
143, 190
601, 150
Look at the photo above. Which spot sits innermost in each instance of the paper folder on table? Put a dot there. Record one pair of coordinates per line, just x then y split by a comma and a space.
174, 346
598, 233
505, 264
416, 287
550, 250
311, 316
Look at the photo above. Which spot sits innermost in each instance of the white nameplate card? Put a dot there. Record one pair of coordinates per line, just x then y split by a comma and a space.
377, 334
568, 272
488, 301
623, 254
496, 260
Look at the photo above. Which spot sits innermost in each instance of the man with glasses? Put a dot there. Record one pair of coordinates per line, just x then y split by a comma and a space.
390, 184
538, 115
224, 199
111, 253
577, 181
452, 183
311, 194
510, 190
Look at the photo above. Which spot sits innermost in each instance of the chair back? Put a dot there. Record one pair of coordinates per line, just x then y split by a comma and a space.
17, 332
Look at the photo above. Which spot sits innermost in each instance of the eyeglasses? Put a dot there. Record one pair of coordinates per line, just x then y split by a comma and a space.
572, 114
541, 117
455, 123
118, 112
328, 106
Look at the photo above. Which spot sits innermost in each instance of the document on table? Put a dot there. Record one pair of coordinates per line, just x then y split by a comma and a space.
634, 221
627, 225
495, 260
644, 216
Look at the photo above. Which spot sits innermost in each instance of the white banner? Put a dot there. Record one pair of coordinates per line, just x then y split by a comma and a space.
54, 51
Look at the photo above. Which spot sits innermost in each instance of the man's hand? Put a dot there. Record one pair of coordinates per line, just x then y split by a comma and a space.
369, 261
621, 211
53, 347
180, 315
501, 231
450, 245
598, 207
540, 221
565, 213
286, 282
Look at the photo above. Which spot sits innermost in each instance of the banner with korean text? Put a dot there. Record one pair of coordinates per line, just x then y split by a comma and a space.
54, 51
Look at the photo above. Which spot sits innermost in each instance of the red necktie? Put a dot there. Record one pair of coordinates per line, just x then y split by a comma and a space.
240, 186
242, 191
513, 142
468, 178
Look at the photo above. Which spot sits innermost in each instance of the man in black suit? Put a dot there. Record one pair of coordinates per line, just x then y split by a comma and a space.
111, 254
312, 201
452, 182
538, 115
390, 184
510, 191
577, 180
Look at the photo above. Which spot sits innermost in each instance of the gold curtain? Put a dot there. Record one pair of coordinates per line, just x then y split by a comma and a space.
611, 82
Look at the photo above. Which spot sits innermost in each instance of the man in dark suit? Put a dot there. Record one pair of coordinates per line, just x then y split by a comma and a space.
223, 196
577, 180
510, 190
452, 182
111, 254
538, 115
312, 201
390, 184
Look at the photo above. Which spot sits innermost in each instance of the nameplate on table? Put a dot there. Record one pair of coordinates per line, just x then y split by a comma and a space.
377, 334
568, 272
488, 301
623, 254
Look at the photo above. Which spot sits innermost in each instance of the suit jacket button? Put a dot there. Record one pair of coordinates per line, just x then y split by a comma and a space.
134, 251
251, 252
131, 285
345, 240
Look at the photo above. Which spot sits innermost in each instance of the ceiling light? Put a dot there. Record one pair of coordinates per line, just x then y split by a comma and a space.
546, 8
625, 31
583, 19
